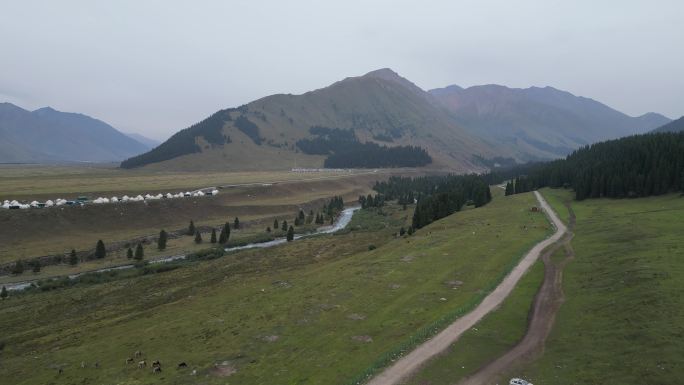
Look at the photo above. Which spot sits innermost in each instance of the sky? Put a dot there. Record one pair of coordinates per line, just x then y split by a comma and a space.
155, 67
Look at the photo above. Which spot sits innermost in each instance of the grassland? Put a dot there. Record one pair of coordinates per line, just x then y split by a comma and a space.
622, 316
495, 334
314, 311
50, 182
624, 310
37, 232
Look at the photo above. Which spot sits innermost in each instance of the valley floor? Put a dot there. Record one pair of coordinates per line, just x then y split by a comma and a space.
314, 311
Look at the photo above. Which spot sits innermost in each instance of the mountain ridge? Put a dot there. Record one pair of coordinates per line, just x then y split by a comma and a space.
46, 135
541, 122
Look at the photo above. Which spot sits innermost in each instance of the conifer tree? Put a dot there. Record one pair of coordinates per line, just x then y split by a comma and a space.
18, 267
139, 253
284, 225
129, 253
276, 226
191, 228
3, 293
213, 235
161, 241
236, 223
73, 259
290, 234
268, 229
36, 267
198, 237
225, 234
100, 251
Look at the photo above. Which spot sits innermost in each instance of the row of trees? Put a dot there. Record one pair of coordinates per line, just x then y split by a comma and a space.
371, 201
438, 196
344, 150
635, 166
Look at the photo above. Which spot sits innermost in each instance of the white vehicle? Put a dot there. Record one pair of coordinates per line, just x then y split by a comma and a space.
518, 381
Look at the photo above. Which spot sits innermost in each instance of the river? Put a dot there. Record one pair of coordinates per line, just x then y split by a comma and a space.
340, 223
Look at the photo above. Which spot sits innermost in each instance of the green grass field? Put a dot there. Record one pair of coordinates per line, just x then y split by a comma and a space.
495, 334
624, 310
621, 321
315, 311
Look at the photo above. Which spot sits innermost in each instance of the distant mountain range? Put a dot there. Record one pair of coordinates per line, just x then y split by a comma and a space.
539, 123
49, 136
673, 126
148, 142
461, 129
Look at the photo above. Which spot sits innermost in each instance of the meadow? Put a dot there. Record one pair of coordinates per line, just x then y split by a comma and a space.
314, 311
622, 316
622, 319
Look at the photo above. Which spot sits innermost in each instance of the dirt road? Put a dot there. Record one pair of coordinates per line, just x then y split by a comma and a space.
544, 308
412, 361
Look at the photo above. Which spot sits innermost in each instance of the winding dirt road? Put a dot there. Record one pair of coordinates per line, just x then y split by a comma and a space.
439, 343
542, 315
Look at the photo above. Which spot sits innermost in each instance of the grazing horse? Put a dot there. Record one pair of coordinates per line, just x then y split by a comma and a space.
129, 360
142, 364
182, 365
156, 369
138, 354
156, 364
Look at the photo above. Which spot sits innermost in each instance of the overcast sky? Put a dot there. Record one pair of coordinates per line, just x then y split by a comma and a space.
155, 67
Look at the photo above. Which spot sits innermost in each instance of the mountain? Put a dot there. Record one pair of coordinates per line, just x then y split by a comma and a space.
148, 142
538, 122
673, 126
347, 124
381, 108
46, 135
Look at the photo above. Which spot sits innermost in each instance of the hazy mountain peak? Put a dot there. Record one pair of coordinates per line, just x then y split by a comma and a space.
46, 109
389, 75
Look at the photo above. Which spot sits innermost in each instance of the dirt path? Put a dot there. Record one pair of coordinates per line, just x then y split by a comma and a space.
412, 361
543, 313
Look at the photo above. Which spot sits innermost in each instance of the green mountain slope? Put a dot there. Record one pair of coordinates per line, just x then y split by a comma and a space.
381, 107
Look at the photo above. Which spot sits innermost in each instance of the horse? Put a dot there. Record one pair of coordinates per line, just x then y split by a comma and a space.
142, 364
129, 360
138, 354
182, 365
156, 369
156, 364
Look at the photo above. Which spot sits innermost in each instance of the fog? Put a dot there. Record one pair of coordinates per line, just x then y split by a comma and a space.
155, 67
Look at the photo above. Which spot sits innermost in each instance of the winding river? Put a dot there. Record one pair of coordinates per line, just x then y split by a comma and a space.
340, 223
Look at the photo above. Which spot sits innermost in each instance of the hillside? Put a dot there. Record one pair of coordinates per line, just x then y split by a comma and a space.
538, 122
47, 136
380, 107
673, 126
460, 129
